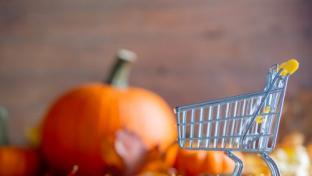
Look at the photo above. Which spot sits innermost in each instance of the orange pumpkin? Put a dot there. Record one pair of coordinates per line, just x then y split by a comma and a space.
189, 162
199, 162
157, 162
80, 127
17, 161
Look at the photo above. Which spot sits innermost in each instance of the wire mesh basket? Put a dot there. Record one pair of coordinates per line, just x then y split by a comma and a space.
246, 122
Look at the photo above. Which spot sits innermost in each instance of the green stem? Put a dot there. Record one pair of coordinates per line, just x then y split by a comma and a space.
4, 140
119, 75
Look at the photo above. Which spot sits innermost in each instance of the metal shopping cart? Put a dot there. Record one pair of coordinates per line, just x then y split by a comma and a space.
246, 122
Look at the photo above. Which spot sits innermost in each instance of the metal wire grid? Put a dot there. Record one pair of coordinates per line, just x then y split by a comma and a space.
220, 124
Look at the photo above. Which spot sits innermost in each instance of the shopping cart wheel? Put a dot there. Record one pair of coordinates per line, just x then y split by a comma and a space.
271, 164
238, 163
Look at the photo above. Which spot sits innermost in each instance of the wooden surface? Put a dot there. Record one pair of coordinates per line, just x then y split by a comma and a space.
188, 51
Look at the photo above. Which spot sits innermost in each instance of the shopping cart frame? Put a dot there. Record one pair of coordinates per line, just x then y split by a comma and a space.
277, 79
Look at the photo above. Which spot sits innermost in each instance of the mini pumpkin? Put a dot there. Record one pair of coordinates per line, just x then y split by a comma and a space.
190, 162
16, 161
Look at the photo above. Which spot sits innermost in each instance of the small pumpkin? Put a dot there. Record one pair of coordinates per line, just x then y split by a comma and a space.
16, 161
158, 162
80, 127
190, 162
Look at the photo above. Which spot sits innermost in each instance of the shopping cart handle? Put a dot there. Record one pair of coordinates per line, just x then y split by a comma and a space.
289, 67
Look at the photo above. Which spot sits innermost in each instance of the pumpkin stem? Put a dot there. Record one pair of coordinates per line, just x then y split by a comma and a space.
118, 77
4, 140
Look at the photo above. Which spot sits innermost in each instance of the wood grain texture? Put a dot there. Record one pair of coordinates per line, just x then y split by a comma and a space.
188, 51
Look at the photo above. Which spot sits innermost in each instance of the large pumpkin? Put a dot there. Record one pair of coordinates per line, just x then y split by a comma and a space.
18, 162
80, 127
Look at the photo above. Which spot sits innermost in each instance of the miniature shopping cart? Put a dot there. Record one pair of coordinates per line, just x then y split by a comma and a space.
246, 122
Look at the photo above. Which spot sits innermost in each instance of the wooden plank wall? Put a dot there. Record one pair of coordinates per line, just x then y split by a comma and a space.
188, 51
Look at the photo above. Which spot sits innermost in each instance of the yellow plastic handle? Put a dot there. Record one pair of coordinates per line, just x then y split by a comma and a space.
289, 67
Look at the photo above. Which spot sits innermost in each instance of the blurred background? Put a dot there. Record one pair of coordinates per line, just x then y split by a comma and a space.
189, 51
